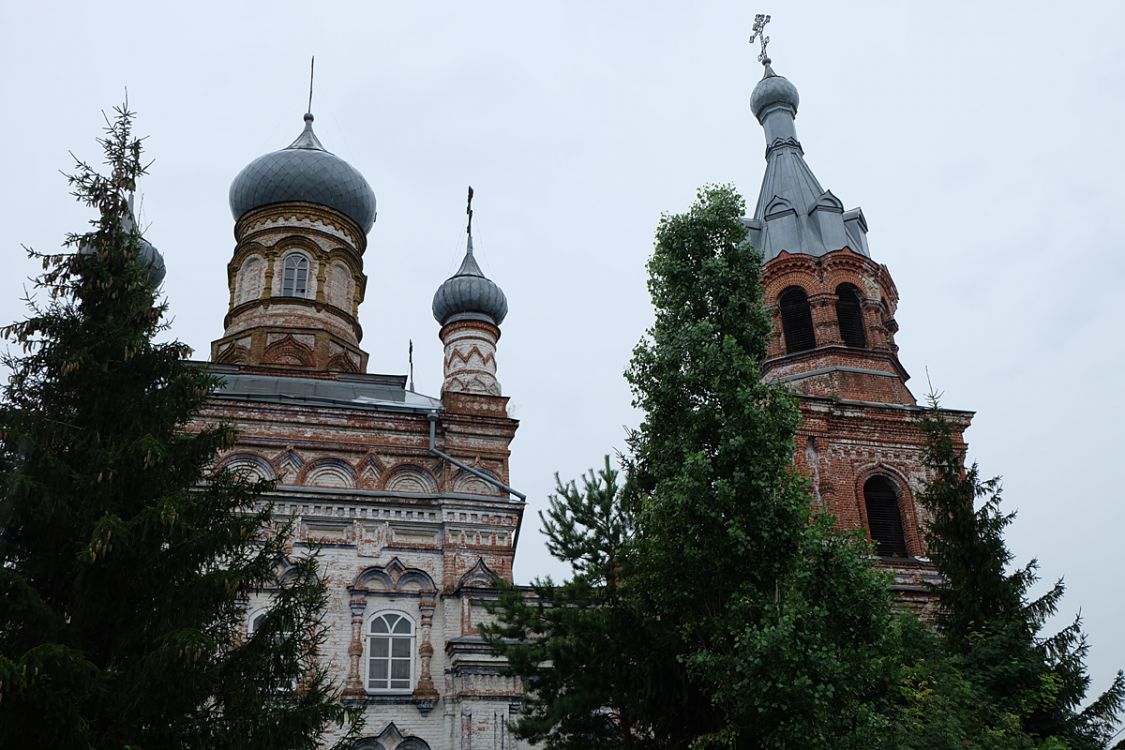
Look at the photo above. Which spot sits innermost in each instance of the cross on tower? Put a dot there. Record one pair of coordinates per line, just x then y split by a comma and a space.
760, 22
469, 212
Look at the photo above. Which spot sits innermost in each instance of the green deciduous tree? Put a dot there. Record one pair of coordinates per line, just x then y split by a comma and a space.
711, 606
125, 560
1025, 682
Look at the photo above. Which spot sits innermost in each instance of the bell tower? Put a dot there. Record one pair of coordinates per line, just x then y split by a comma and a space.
296, 278
833, 310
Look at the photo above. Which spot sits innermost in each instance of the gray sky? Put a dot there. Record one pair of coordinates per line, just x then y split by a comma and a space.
983, 141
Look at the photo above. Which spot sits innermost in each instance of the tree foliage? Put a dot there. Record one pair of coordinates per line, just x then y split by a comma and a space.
711, 606
125, 558
1027, 683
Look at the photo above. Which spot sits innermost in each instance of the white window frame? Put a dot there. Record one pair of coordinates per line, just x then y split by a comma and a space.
251, 628
411, 658
252, 621
291, 291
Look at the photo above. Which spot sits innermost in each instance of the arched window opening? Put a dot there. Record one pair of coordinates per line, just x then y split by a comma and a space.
883, 517
850, 316
254, 625
796, 320
256, 622
249, 284
295, 279
390, 653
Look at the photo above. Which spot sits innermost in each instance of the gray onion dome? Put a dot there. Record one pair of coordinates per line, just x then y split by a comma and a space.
773, 91
149, 257
469, 295
304, 171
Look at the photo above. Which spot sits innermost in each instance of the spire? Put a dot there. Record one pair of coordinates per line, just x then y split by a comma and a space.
794, 213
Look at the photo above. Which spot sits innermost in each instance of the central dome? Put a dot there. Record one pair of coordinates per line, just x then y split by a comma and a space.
304, 171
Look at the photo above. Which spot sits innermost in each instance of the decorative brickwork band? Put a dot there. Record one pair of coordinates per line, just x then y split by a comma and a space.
470, 357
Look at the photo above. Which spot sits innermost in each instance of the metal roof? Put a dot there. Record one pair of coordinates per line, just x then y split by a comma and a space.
469, 294
304, 171
376, 392
794, 213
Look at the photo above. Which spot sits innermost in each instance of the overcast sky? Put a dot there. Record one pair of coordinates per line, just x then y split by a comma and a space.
983, 141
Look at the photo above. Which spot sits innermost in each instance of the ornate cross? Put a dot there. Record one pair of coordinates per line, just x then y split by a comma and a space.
760, 22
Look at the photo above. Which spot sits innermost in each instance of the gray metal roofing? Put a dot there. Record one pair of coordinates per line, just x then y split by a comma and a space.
304, 171
377, 392
794, 213
469, 293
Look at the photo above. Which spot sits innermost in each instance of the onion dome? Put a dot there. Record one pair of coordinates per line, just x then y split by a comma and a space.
469, 295
304, 171
149, 257
773, 91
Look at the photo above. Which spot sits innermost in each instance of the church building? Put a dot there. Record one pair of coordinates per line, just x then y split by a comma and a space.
407, 494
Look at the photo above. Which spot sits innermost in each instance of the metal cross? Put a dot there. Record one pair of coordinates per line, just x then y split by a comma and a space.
760, 22
469, 212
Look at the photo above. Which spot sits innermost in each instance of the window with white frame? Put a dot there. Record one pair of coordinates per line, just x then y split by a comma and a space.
295, 276
255, 622
390, 653
253, 625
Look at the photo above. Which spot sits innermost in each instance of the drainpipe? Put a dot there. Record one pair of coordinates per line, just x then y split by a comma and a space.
433, 417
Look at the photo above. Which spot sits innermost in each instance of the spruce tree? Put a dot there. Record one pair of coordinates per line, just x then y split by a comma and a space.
126, 559
1026, 682
725, 612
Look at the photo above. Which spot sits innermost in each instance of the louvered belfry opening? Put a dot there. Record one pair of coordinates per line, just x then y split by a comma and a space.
796, 320
883, 517
850, 316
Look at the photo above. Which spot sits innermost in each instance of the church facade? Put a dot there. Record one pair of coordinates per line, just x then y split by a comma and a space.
406, 495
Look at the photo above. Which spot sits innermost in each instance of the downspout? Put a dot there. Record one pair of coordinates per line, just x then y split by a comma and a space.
433, 417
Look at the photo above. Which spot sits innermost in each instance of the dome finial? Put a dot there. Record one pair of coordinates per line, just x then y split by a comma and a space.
312, 69
759, 29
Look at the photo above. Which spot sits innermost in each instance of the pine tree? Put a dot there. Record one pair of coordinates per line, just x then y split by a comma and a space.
125, 558
581, 644
988, 621
725, 612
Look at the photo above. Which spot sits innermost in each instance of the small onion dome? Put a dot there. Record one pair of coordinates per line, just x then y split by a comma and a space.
469, 295
149, 257
773, 91
304, 171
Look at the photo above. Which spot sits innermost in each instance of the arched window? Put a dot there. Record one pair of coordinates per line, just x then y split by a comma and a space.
390, 653
883, 517
295, 280
249, 284
255, 622
849, 314
796, 320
